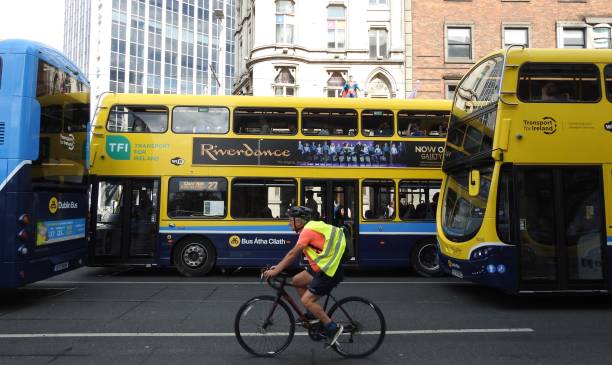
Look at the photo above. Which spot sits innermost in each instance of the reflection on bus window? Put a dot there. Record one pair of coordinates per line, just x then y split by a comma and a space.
329, 122
418, 199
377, 123
422, 123
608, 79
462, 214
378, 199
200, 119
197, 197
265, 121
137, 119
76, 117
262, 198
559, 82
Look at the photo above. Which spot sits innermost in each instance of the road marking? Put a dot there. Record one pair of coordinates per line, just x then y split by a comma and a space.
68, 282
231, 334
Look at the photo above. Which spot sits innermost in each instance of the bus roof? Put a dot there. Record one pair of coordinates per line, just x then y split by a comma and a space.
520, 55
44, 52
274, 101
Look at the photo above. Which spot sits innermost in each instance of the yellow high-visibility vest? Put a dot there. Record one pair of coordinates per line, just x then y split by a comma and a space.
330, 256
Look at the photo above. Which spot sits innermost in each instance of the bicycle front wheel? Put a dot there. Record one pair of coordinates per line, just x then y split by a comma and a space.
364, 326
264, 326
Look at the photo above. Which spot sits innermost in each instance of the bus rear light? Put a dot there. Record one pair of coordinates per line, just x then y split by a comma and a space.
24, 219
23, 235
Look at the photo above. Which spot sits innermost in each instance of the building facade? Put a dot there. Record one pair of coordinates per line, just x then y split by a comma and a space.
444, 38
77, 14
156, 46
313, 47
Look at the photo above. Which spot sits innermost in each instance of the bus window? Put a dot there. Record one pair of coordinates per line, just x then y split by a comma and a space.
559, 82
608, 78
200, 119
197, 197
265, 121
0, 72
51, 119
377, 123
137, 119
378, 199
262, 198
422, 123
325, 122
418, 199
76, 117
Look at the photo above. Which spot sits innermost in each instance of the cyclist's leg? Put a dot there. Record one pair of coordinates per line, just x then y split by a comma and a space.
301, 281
320, 285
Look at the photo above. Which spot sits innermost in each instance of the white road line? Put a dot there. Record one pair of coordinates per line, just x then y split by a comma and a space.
231, 334
68, 282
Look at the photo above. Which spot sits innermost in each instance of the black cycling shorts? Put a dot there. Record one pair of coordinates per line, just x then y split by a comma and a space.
322, 284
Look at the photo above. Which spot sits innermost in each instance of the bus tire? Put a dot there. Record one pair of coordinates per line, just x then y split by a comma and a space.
194, 256
424, 258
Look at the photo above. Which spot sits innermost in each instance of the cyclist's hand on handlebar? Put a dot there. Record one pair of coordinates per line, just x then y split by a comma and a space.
270, 273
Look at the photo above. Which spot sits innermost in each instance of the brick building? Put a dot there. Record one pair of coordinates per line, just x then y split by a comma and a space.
444, 38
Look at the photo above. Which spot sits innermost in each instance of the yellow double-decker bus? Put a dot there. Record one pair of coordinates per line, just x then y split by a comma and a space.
197, 182
526, 204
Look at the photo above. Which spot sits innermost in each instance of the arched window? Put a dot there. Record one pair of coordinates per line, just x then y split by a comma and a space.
335, 83
284, 83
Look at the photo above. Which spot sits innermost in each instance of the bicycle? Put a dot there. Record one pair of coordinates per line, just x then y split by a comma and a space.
265, 325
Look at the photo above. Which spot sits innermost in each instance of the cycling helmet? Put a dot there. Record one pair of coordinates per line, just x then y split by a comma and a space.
300, 212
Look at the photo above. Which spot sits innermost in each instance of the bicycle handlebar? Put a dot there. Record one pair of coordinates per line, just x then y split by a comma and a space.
277, 282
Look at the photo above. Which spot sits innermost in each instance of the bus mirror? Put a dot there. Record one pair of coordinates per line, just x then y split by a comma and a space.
474, 188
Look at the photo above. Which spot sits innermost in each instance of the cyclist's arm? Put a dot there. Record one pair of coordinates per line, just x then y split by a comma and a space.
289, 258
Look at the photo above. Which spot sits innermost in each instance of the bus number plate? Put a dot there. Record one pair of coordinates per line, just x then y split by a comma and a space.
62, 266
457, 273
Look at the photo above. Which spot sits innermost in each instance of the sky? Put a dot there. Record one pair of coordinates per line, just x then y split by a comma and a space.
38, 20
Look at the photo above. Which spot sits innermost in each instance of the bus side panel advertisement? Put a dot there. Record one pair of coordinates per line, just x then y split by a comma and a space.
60, 217
321, 153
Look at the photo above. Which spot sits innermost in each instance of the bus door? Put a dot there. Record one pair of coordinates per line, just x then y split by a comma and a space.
335, 202
127, 221
560, 228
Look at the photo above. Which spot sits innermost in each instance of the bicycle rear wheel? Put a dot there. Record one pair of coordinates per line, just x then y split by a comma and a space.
364, 326
263, 326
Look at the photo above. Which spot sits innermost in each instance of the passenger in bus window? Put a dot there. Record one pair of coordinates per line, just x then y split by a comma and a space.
551, 92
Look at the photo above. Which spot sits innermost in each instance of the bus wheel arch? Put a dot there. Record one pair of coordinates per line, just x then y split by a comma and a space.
424, 258
194, 256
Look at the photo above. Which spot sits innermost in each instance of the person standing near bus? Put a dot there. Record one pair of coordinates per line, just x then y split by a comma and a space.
323, 245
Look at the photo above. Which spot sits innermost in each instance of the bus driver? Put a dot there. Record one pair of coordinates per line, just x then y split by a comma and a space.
323, 245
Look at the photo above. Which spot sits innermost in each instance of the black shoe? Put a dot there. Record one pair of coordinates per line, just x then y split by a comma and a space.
333, 335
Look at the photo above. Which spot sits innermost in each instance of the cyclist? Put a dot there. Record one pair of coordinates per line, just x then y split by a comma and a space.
323, 246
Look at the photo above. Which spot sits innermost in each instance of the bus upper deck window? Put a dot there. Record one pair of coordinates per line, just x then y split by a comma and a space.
337, 122
422, 123
608, 79
137, 119
200, 119
265, 121
559, 83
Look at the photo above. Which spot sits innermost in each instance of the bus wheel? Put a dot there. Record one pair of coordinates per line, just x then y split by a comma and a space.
194, 256
425, 258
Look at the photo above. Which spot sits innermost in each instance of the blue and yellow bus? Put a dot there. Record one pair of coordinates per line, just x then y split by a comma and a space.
44, 113
526, 204
198, 182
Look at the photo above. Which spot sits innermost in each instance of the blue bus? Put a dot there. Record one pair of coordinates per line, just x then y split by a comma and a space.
44, 114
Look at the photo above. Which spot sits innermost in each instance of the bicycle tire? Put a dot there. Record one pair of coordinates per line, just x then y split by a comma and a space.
249, 321
363, 323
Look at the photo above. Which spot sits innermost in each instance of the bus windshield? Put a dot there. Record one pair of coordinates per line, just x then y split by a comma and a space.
462, 214
473, 116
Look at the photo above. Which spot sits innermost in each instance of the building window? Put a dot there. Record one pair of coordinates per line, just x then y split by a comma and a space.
284, 21
378, 43
459, 43
284, 83
573, 38
516, 35
335, 83
378, 2
336, 26
449, 90
602, 36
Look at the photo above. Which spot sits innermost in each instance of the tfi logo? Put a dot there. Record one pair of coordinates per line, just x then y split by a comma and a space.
118, 147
